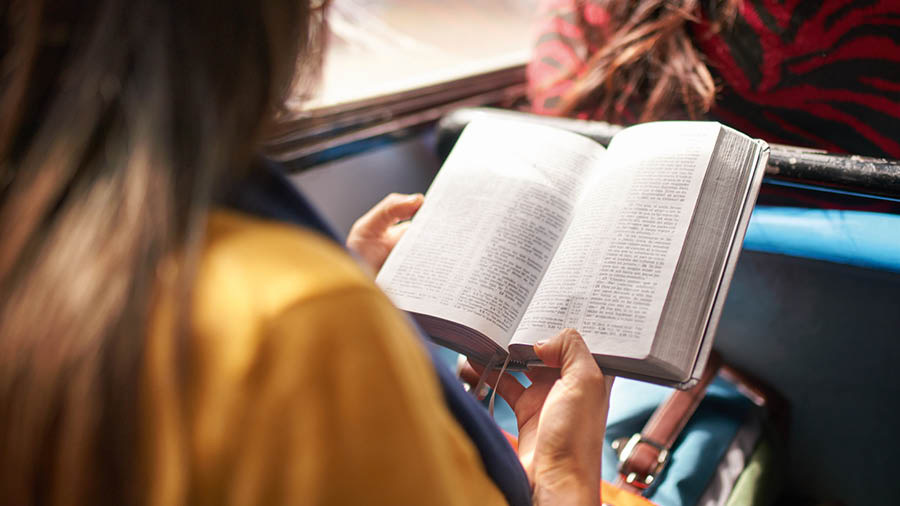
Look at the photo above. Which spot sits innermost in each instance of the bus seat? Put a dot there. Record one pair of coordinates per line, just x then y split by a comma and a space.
814, 311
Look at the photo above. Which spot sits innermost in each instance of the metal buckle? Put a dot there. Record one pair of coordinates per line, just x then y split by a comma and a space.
624, 447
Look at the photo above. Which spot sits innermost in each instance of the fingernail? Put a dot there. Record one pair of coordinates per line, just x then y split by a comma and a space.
414, 197
483, 392
540, 343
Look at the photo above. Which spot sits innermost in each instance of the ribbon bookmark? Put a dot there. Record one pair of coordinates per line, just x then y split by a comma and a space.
482, 380
494, 393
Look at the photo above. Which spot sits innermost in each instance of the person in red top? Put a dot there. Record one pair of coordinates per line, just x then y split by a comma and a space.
815, 74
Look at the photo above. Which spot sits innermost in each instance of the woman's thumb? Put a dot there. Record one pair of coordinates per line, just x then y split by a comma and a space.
567, 351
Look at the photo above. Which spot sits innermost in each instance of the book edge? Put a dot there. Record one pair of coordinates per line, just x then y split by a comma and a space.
706, 343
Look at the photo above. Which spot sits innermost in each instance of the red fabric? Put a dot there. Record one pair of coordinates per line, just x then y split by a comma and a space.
817, 74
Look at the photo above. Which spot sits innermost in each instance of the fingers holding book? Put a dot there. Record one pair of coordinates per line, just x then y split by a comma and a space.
561, 418
507, 387
375, 233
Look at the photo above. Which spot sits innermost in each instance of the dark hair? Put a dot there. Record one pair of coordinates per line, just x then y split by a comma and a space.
647, 67
120, 120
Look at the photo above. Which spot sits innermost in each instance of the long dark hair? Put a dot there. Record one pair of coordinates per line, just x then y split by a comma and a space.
647, 66
120, 120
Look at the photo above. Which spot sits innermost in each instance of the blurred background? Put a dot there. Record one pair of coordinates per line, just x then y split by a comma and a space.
381, 47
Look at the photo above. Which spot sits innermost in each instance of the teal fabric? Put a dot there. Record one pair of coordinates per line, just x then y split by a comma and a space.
697, 453
860, 238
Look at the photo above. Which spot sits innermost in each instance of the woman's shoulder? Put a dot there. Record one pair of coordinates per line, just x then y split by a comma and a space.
255, 276
267, 265
308, 383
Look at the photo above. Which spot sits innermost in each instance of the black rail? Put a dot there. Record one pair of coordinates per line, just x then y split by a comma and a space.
803, 166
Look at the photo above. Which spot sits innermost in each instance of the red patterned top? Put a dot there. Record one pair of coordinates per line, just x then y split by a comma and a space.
822, 74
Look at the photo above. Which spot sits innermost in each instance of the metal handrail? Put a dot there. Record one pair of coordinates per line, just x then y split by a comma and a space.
804, 166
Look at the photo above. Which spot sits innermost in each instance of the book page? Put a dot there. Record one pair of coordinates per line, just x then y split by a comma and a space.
491, 223
612, 272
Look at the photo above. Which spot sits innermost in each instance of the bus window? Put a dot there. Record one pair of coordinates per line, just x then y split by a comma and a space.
378, 48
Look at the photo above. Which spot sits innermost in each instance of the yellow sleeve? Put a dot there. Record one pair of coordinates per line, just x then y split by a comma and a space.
302, 384
348, 411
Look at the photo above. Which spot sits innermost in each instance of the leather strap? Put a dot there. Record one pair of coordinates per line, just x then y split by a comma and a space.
644, 455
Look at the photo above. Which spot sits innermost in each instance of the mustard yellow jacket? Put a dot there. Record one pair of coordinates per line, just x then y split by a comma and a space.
300, 384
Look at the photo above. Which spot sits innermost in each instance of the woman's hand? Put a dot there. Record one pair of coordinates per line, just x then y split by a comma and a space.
375, 234
562, 420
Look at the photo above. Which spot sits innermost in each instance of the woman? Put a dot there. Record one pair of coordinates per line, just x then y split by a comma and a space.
817, 74
159, 349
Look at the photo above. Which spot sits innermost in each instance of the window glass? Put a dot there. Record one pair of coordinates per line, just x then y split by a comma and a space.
381, 47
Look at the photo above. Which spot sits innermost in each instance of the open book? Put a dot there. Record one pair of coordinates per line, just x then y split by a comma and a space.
529, 229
